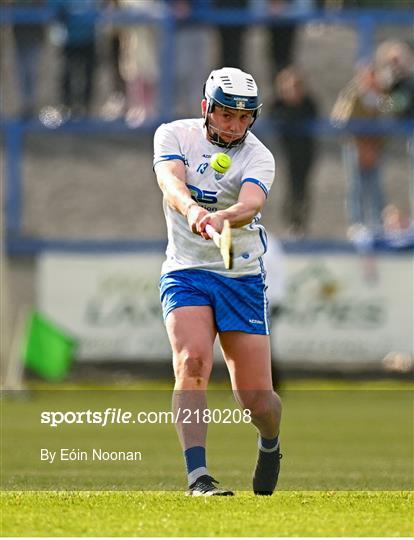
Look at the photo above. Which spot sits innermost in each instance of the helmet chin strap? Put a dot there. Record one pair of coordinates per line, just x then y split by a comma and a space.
213, 134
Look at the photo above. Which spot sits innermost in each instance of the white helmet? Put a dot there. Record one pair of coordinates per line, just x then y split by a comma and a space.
233, 88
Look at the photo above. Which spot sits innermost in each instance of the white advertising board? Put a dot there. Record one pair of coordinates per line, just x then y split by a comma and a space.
337, 307
346, 308
109, 302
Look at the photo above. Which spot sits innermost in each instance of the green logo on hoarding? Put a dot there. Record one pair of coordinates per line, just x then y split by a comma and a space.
315, 293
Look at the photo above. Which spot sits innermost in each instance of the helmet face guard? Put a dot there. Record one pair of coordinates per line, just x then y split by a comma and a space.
234, 89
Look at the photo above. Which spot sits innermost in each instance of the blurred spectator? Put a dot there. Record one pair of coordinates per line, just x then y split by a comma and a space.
394, 67
231, 36
29, 39
79, 53
398, 229
192, 48
362, 99
140, 62
293, 109
283, 37
115, 106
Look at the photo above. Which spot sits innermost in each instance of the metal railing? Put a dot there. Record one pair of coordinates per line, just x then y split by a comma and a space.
364, 21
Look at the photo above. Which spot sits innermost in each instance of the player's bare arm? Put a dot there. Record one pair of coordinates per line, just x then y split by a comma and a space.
171, 179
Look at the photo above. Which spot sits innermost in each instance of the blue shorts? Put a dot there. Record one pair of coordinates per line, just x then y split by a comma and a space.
239, 304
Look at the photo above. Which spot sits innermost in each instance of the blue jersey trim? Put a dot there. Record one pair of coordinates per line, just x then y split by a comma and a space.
263, 272
258, 183
265, 300
169, 157
263, 237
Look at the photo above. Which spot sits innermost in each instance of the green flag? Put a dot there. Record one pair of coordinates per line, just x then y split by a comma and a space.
47, 350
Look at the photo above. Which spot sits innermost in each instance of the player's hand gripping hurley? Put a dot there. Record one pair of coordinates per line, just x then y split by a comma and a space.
223, 241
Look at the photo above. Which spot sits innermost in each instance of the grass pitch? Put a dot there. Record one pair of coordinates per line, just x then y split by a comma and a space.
171, 514
347, 468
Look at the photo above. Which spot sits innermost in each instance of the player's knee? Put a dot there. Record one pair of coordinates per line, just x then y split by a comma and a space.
191, 365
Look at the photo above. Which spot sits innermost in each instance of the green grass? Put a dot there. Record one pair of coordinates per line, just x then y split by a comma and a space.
347, 468
171, 514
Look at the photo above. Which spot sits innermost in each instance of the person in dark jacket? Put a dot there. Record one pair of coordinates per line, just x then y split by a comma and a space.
79, 53
292, 111
231, 37
29, 39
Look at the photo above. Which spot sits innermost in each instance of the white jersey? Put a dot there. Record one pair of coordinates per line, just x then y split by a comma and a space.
251, 162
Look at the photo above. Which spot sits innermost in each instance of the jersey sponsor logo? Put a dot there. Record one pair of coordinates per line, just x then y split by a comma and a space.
202, 196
